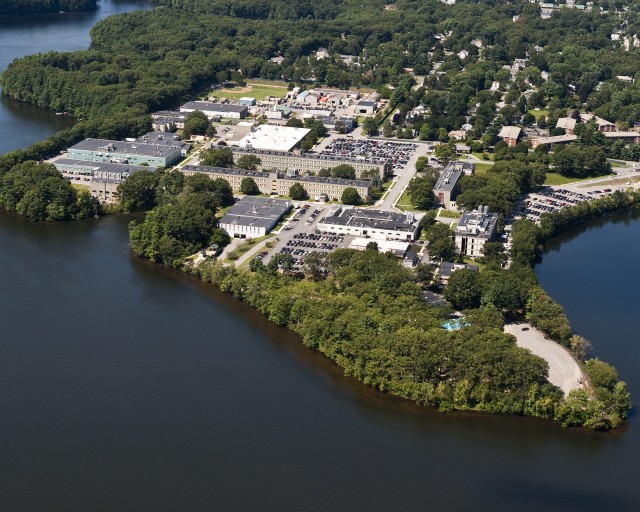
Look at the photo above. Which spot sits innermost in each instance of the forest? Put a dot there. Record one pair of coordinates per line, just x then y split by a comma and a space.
14, 7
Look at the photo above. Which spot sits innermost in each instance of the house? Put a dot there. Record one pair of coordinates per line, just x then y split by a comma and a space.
474, 229
322, 53
510, 134
556, 139
602, 124
457, 134
568, 124
447, 268
462, 149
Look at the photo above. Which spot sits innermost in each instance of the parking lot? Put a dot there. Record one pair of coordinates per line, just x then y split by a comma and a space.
398, 153
551, 200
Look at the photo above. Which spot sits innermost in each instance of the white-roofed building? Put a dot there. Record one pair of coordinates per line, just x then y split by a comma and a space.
272, 138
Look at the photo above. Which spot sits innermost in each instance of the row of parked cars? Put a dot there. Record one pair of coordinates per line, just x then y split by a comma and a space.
552, 200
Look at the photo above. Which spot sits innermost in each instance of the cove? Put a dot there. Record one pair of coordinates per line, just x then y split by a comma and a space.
22, 124
127, 387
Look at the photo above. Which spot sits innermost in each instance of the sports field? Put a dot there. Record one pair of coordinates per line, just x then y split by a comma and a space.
251, 90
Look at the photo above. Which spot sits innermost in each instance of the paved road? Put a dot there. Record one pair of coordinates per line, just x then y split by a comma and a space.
564, 371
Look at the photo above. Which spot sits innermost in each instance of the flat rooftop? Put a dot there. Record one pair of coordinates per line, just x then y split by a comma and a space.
127, 148
450, 176
102, 170
374, 219
209, 106
478, 223
277, 138
225, 170
256, 211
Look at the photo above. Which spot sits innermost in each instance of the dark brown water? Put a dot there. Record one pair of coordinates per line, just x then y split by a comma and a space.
22, 124
124, 387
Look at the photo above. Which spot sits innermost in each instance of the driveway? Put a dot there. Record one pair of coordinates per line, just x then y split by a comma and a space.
564, 371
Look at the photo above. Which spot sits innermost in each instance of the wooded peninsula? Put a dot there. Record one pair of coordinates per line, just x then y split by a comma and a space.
363, 309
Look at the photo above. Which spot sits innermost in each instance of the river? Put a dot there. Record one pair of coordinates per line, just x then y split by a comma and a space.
126, 387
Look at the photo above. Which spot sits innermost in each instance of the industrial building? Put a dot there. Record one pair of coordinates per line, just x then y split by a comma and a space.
101, 178
474, 229
211, 110
253, 217
375, 224
284, 161
272, 183
153, 153
272, 138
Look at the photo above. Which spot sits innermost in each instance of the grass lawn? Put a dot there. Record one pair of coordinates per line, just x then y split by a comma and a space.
241, 249
617, 164
553, 178
482, 168
538, 113
484, 156
259, 91
449, 214
405, 203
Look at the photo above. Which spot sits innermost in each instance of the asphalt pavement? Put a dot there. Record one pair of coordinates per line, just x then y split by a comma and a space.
564, 371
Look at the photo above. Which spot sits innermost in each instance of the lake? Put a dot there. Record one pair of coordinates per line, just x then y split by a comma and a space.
23, 124
124, 386
127, 387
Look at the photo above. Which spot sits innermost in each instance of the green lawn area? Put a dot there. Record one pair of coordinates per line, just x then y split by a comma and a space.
482, 168
553, 178
405, 203
449, 214
538, 113
259, 91
617, 164
483, 156
246, 246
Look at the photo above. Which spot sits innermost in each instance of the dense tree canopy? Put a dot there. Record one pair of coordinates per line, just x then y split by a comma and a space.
40, 193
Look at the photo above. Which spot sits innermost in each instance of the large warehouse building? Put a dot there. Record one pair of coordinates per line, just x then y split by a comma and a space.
253, 217
375, 224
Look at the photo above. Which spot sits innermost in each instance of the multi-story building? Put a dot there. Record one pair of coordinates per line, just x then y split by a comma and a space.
272, 183
375, 224
101, 178
475, 229
153, 153
284, 161
448, 185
